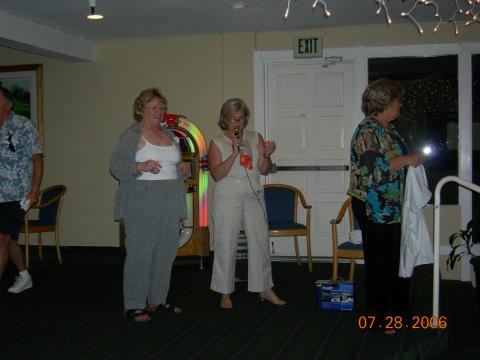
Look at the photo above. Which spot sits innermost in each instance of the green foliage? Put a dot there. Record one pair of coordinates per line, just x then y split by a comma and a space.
462, 242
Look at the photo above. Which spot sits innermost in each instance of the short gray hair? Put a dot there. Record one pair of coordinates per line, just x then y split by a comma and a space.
379, 94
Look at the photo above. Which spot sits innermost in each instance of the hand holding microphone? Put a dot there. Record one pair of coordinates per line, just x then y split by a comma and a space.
245, 158
236, 133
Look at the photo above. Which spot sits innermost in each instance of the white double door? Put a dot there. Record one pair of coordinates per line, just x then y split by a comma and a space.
309, 114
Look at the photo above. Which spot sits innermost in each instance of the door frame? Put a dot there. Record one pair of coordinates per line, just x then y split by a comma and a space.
359, 56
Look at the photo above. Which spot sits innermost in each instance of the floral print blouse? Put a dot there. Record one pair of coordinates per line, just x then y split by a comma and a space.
371, 181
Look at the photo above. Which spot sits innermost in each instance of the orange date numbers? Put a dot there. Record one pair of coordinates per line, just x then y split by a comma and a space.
397, 322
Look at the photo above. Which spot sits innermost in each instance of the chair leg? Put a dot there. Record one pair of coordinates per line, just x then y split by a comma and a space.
40, 250
335, 267
297, 251
57, 242
352, 270
309, 253
27, 249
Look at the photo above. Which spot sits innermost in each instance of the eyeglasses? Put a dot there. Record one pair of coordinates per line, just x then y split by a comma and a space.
157, 108
237, 119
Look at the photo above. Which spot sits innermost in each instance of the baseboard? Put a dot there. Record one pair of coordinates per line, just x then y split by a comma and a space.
78, 250
50, 251
314, 259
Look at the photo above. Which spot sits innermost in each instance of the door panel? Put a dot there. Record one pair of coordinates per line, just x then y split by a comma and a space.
309, 114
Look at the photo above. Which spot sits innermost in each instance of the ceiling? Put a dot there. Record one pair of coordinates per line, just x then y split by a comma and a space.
59, 28
147, 18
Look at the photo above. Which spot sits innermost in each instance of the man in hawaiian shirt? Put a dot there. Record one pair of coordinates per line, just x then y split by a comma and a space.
21, 170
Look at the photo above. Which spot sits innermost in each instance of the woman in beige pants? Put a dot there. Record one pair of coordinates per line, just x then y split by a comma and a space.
237, 158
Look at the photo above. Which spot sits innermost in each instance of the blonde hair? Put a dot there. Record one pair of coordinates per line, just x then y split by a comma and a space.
144, 98
379, 94
231, 107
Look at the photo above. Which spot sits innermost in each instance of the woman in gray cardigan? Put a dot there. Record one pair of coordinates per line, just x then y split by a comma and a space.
150, 202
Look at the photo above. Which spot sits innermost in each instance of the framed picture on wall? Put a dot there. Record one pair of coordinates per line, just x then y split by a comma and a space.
25, 82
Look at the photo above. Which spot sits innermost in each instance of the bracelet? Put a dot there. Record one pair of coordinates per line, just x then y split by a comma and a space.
266, 157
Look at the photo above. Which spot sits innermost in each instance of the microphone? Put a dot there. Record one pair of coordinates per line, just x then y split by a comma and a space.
236, 133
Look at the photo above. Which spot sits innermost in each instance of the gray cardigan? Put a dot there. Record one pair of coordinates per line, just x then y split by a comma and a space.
123, 168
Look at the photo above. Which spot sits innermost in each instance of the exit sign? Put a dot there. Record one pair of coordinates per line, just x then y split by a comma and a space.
307, 47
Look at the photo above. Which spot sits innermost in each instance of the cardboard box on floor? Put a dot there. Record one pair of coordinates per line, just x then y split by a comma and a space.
334, 295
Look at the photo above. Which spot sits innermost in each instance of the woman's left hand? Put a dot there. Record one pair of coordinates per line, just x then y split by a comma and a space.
184, 168
415, 160
270, 147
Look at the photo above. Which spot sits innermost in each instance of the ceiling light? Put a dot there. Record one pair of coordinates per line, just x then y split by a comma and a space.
238, 5
93, 15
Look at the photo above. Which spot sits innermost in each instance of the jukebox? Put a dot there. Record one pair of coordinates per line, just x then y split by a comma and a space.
194, 234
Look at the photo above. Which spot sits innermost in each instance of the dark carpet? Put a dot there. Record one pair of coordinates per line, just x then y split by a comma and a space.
74, 311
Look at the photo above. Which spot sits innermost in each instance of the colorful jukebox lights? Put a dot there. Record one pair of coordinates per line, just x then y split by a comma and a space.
192, 141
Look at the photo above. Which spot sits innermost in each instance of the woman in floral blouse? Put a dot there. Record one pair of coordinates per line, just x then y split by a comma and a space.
379, 160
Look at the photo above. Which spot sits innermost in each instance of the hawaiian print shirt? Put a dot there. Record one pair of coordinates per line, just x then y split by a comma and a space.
19, 141
371, 181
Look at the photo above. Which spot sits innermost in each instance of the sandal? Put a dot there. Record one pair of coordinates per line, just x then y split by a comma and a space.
137, 315
167, 308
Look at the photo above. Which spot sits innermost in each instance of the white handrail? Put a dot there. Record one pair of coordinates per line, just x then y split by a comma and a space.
436, 234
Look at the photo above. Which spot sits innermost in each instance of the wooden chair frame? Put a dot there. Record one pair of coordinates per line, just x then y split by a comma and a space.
296, 232
43, 228
338, 253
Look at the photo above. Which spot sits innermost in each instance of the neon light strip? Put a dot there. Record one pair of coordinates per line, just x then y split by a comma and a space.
203, 175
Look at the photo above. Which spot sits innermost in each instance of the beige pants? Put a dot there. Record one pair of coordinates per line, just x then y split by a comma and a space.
230, 212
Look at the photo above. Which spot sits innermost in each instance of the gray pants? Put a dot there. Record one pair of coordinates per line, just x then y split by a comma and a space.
230, 211
152, 232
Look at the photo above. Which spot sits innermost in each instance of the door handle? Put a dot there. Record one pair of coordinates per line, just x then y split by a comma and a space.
276, 168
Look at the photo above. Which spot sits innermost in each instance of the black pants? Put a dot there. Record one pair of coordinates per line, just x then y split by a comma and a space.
11, 218
387, 294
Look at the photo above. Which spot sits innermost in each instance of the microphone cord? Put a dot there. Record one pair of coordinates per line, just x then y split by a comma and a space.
255, 192
266, 254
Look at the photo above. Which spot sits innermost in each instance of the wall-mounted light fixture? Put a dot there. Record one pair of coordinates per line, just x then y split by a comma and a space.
93, 15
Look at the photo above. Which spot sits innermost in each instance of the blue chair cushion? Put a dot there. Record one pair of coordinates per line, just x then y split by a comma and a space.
284, 225
48, 214
280, 204
33, 223
347, 245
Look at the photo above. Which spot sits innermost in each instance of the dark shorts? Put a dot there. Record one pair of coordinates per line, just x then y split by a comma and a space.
11, 218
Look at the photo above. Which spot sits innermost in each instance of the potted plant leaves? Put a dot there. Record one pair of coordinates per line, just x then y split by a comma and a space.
462, 243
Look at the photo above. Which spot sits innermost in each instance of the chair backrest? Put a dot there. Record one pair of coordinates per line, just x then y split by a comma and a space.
281, 201
50, 203
347, 209
351, 218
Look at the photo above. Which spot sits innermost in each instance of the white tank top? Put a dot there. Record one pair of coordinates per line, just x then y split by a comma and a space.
237, 180
167, 156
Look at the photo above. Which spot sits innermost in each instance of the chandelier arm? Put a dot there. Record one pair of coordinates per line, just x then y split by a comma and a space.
472, 12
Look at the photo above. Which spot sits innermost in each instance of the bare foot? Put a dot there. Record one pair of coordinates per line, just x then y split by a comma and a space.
226, 302
270, 296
